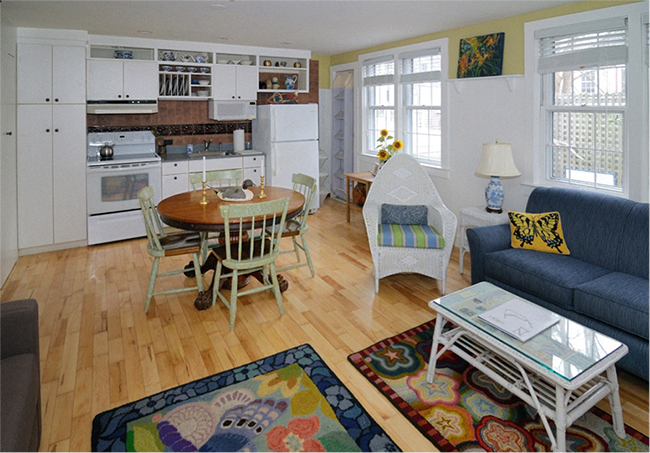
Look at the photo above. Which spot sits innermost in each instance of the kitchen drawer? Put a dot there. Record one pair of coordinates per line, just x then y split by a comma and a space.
221, 163
174, 167
173, 184
253, 161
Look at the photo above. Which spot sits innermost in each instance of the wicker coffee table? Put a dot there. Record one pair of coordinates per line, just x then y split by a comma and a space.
562, 372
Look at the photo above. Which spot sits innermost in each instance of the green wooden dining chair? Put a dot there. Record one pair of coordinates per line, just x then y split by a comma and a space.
161, 245
297, 226
214, 179
217, 178
245, 253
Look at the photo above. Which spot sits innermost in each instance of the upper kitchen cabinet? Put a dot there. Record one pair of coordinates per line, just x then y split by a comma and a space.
118, 80
234, 82
51, 74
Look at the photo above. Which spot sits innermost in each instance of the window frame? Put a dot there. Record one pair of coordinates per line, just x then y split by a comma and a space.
396, 54
635, 183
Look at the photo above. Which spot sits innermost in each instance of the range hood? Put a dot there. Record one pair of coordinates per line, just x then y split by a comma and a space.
122, 107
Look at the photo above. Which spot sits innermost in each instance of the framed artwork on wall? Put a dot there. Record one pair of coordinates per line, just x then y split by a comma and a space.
480, 56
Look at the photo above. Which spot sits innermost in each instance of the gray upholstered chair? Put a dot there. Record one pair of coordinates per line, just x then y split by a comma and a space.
20, 385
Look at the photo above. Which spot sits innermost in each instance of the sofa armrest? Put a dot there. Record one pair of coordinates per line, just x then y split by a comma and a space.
484, 240
19, 328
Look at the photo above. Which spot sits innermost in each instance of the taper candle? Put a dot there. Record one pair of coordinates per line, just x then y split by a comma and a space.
203, 168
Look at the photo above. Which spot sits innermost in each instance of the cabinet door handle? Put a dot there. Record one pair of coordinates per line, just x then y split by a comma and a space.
56, 130
126, 96
56, 99
119, 95
47, 99
8, 133
47, 130
175, 178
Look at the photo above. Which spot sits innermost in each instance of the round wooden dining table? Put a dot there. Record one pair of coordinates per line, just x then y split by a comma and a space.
185, 211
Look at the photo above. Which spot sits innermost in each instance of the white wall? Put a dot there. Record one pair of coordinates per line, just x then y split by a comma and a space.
481, 110
8, 196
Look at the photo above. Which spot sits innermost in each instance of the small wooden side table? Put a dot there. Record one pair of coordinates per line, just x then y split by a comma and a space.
476, 216
364, 177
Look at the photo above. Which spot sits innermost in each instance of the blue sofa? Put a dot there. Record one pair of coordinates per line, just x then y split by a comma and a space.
602, 284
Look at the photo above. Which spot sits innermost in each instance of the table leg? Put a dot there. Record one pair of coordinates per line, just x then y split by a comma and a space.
560, 419
615, 402
347, 195
461, 251
437, 331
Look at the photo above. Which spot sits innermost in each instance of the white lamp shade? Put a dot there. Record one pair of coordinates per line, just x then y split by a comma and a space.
496, 160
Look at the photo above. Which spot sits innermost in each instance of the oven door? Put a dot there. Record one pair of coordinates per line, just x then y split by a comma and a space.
114, 187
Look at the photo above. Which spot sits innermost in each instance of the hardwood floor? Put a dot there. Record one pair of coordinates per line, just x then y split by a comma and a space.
100, 350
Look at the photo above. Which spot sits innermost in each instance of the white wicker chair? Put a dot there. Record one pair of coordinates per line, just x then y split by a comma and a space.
403, 181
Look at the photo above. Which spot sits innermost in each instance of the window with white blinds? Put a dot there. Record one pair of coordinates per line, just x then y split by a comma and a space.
402, 92
422, 103
587, 91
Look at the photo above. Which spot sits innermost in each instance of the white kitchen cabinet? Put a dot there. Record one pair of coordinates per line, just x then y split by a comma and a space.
69, 172
51, 174
51, 74
253, 166
174, 178
176, 174
117, 80
234, 82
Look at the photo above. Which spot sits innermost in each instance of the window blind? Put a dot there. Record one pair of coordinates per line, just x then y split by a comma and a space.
420, 66
589, 44
379, 71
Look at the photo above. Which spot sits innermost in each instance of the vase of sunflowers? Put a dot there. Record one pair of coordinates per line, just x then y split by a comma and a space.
386, 150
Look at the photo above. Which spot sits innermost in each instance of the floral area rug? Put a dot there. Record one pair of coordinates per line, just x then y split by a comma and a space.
465, 410
290, 401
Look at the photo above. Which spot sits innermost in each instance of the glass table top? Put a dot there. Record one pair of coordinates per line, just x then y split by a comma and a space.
566, 348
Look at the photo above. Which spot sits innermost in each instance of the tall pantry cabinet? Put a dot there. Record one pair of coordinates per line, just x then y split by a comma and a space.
51, 142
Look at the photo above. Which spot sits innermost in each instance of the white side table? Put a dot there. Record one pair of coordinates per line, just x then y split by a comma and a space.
476, 216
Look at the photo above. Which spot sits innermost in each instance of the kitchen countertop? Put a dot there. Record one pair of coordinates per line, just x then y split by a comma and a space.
173, 156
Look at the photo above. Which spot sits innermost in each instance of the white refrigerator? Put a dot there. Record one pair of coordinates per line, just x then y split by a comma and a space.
288, 136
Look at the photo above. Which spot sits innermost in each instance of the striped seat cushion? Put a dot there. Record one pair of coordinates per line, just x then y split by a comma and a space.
418, 236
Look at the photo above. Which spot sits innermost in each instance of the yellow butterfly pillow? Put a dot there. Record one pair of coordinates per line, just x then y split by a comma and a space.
540, 232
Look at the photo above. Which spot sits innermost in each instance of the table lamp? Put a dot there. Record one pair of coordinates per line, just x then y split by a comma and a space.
496, 162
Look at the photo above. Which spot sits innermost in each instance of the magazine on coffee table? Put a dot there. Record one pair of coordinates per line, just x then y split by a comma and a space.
519, 319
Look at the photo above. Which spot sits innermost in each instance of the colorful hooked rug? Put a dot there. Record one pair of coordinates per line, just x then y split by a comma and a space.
290, 401
465, 410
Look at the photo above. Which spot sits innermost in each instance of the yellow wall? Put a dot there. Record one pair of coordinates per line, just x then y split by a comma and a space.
513, 27
323, 70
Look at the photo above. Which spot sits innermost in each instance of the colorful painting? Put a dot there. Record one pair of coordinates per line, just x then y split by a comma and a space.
481, 56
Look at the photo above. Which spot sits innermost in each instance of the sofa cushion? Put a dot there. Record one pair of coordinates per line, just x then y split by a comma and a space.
404, 214
19, 396
539, 232
620, 300
632, 256
548, 276
418, 236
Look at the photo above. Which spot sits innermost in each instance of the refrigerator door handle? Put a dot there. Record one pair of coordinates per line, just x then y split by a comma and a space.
275, 126
274, 159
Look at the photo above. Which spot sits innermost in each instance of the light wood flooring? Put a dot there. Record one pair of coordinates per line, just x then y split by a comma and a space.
100, 350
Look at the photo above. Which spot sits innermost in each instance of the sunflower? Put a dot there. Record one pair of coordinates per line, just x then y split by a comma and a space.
384, 132
398, 144
383, 154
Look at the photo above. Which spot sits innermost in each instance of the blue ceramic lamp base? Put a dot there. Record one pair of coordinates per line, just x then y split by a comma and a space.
494, 195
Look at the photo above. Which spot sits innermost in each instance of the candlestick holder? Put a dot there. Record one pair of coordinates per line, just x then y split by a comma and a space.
203, 200
262, 194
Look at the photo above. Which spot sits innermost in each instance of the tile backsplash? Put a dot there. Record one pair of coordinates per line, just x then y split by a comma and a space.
183, 122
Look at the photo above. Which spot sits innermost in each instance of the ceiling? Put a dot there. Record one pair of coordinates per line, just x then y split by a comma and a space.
322, 26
